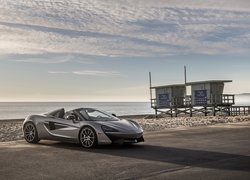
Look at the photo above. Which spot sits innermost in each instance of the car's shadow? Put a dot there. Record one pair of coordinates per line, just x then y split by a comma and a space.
180, 156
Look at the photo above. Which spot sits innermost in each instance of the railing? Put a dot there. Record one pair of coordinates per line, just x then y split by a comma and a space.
239, 110
228, 99
214, 100
223, 99
175, 102
188, 101
153, 103
181, 101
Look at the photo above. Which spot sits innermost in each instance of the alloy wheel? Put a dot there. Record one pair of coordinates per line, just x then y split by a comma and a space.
30, 133
87, 137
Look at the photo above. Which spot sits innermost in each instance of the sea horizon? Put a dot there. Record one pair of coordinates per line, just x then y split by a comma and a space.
21, 109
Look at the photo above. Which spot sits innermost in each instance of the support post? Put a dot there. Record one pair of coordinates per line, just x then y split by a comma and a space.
150, 88
185, 79
185, 73
214, 111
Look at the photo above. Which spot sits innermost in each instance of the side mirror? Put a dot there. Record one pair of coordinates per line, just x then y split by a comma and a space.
114, 114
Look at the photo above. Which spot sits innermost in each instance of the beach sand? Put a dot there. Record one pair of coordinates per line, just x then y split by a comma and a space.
11, 130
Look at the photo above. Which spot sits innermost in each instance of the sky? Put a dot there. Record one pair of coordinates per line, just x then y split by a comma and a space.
76, 50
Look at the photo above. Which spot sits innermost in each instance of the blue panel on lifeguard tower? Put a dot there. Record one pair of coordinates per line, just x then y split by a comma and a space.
200, 97
163, 100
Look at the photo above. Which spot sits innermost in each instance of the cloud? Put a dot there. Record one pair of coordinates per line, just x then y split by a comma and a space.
89, 73
83, 61
46, 61
241, 5
49, 58
143, 28
97, 73
58, 72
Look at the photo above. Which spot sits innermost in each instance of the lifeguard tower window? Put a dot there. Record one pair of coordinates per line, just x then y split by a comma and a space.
188, 90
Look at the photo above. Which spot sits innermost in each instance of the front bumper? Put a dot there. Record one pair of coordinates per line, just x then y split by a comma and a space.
125, 138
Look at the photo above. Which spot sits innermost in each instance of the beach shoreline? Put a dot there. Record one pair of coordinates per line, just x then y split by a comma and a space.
11, 129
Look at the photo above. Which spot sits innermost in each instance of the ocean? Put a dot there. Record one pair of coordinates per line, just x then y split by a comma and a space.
16, 110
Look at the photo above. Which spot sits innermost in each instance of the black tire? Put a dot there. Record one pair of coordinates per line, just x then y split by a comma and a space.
30, 132
88, 137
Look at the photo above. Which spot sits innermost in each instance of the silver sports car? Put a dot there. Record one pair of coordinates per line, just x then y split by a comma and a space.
86, 126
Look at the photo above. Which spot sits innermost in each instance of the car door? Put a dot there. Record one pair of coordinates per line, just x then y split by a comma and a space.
62, 129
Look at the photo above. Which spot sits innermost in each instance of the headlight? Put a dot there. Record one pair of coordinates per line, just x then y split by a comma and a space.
108, 129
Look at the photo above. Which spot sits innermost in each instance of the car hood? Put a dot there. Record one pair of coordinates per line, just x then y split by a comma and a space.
122, 124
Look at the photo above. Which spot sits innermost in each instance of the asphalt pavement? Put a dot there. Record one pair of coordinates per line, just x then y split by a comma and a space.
213, 152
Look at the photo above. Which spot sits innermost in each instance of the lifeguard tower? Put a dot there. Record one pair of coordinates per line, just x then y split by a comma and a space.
206, 97
168, 99
210, 93
169, 96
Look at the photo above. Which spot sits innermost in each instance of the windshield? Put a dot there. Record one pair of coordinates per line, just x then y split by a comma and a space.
96, 115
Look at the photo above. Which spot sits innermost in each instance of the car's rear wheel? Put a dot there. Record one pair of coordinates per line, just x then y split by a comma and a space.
30, 133
87, 137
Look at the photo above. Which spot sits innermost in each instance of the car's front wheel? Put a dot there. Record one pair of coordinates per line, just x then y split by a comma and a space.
87, 137
30, 133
